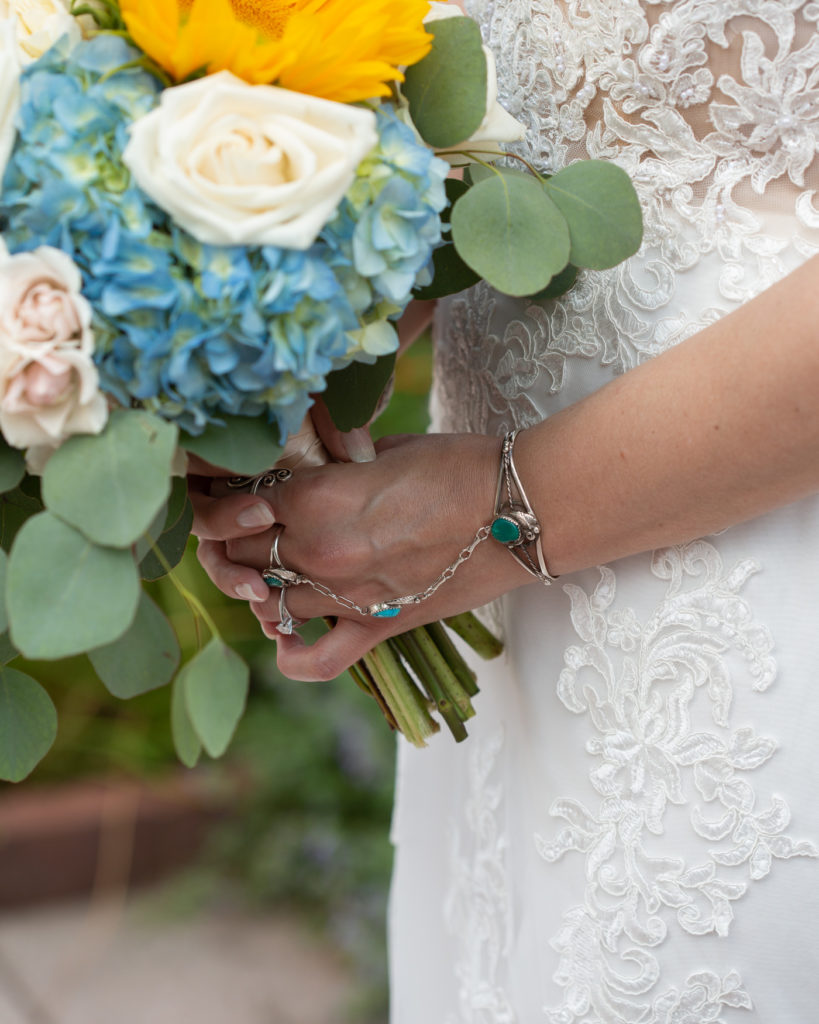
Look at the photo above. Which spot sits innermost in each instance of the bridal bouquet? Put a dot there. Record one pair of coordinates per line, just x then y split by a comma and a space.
211, 211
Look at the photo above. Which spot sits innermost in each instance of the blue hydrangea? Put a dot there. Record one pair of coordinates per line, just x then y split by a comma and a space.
388, 224
193, 331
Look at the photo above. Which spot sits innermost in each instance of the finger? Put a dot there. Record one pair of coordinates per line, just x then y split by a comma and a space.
343, 446
331, 654
238, 581
384, 444
221, 518
302, 602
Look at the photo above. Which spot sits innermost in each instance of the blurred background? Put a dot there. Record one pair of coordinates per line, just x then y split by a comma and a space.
252, 889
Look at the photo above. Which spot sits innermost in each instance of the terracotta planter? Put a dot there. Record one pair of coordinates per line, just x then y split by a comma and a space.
72, 840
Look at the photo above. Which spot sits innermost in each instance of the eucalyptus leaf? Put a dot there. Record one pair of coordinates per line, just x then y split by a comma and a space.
352, 394
28, 724
66, 595
151, 535
446, 91
15, 508
12, 467
112, 485
172, 546
4, 622
216, 682
473, 173
169, 515
559, 284
7, 649
506, 233
450, 274
601, 207
144, 658
244, 445
187, 743
455, 188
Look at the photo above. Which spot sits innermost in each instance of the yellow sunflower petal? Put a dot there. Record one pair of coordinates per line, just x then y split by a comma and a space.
329, 48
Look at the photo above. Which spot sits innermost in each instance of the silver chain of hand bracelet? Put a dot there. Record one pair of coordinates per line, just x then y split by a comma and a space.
277, 576
514, 525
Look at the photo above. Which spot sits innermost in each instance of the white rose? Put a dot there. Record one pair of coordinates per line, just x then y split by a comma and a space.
49, 385
497, 125
9, 89
39, 24
239, 164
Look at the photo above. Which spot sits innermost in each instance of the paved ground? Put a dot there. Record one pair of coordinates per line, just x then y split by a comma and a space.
105, 963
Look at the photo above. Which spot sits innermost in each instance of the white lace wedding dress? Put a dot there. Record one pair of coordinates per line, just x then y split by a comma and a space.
631, 832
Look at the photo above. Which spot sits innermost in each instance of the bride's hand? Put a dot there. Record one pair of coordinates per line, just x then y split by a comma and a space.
371, 532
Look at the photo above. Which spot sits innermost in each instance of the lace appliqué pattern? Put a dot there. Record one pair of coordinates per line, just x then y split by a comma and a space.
712, 107
639, 684
479, 907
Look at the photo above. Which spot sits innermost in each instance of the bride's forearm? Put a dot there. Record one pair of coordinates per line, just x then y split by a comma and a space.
721, 428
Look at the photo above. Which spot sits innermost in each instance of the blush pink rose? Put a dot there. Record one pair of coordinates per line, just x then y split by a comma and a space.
49, 385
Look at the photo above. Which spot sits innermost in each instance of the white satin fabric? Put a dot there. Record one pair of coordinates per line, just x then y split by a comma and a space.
631, 833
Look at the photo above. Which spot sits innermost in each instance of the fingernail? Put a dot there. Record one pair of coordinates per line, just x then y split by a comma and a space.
247, 593
260, 514
359, 445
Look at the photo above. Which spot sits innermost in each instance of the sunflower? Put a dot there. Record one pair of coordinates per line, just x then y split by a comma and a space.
335, 49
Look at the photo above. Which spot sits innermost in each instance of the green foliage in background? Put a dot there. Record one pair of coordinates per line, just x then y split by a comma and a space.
316, 761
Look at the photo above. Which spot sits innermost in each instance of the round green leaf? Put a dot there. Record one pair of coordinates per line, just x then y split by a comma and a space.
352, 394
15, 508
602, 211
28, 724
144, 658
66, 595
450, 275
4, 622
7, 649
112, 485
508, 230
216, 683
559, 285
244, 444
446, 91
171, 544
187, 743
12, 467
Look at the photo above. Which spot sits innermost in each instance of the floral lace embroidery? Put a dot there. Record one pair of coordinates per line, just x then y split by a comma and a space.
712, 106
641, 686
479, 908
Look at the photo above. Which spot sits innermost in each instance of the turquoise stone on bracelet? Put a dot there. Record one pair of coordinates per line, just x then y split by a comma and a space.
271, 581
385, 613
505, 530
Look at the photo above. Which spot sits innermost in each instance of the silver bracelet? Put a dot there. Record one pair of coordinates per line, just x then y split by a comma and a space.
515, 524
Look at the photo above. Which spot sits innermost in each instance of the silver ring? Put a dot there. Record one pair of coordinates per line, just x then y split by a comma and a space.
269, 478
274, 558
286, 622
276, 574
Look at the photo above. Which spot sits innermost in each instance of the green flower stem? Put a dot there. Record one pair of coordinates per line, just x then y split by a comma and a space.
411, 715
198, 610
443, 672
432, 682
365, 682
474, 633
464, 674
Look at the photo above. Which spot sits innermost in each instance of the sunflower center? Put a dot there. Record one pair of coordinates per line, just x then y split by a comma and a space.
268, 16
